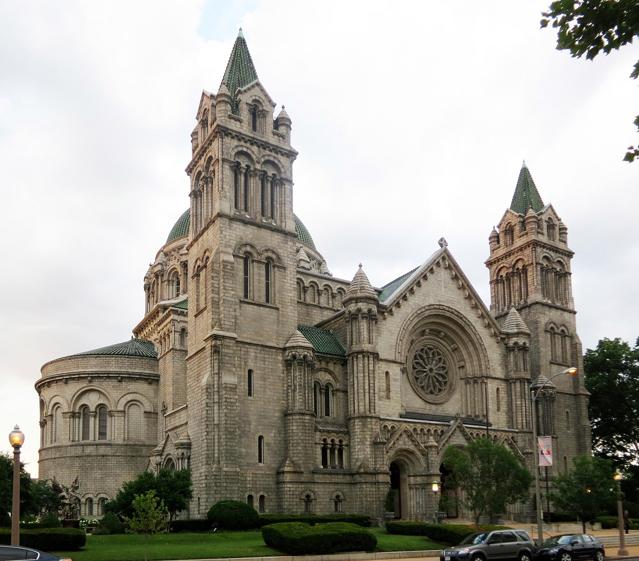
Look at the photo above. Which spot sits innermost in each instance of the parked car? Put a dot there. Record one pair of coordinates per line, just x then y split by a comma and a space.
15, 552
489, 546
571, 547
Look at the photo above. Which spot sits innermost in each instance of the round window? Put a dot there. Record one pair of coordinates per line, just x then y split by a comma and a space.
430, 373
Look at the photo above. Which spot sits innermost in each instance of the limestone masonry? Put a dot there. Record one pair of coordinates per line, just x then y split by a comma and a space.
283, 386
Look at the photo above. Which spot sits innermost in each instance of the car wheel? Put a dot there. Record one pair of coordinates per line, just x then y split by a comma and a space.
599, 556
524, 556
565, 556
477, 557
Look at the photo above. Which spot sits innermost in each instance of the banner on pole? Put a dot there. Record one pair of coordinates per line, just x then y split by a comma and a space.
544, 444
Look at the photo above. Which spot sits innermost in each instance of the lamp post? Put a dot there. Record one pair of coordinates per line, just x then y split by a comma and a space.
534, 394
16, 439
620, 520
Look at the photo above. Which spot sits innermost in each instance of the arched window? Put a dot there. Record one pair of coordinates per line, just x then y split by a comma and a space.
337, 503
236, 186
300, 291
204, 124
101, 504
387, 384
268, 282
324, 453
308, 503
247, 188
317, 396
263, 196
312, 293
509, 236
332, 454
85, 423
174, 285
89, 506
340, 455
327, 297
568, 424
56, 424
564, 347
328, 400
249, 383
261, 504
260, 449
498, 399
134, 420
250, 501
550, 229
253, 111
183, 335
246, 284
102, 422
554, 355
274, 187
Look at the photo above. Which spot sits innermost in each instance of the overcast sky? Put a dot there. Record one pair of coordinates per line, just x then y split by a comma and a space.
411, 120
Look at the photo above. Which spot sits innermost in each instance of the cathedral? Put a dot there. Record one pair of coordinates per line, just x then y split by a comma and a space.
278, 384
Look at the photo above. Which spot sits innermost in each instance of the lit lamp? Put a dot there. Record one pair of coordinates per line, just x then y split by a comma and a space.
435, 486
16, 439
534, 394
622, 538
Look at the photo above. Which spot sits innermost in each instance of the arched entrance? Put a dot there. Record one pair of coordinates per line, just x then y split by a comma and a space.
449, 502
396, 488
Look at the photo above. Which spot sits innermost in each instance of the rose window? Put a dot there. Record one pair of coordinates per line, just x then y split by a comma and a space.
430, 371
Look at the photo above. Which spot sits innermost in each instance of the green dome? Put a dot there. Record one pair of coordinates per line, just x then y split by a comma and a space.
132, 347
181, 227
303, 234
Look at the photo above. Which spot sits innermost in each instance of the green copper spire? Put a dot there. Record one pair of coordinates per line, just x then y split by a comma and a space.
240, 71
526, 195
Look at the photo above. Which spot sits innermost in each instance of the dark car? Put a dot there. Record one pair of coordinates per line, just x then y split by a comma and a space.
489, 546
15, 552
571, 547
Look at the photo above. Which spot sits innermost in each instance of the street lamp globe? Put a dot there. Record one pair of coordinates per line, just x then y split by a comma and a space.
435, 487
16, 437
617, 476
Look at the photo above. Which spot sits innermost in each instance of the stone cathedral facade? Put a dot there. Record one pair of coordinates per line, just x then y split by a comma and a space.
279, 384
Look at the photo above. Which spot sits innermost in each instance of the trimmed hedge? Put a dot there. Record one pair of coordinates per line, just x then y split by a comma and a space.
233, 515
450, 534
359, 519
608, 522
297, 538
48, 539
197, 525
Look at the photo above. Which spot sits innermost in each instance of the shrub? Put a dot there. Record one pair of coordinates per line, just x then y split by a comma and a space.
110, 524
450, 534
233, 515
48, 539
199, 525
296, 538
559, 517
359, 519
608, 522
49, 520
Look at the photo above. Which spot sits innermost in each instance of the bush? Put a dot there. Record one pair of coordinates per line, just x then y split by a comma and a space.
608, 522
49, 520
233, 515
110, 524
359, 519
450, 534
199, 525
48, 539
296, 538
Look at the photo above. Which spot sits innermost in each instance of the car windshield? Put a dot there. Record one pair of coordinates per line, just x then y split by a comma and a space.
474, 539
559, 540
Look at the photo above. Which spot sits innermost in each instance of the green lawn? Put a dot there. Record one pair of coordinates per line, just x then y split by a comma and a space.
131, 547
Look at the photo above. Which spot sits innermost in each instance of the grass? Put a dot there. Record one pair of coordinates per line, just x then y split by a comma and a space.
131, 547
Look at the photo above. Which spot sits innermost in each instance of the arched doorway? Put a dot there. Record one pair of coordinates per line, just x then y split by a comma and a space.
449, 502
399, 488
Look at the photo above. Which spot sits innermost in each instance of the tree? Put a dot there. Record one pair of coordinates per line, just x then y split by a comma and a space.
490, 476
149, 516
47, 497
172, 487
586, 491
589, 27
612, 377
6, 490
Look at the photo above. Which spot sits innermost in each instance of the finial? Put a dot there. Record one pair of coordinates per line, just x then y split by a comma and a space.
240, 34
360, 265
442, 243
523, 163
283, 107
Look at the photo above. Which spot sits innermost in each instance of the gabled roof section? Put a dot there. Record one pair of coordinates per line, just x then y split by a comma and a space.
324, 342
133, 347
393, 285
240, 71
396, 287
526, 195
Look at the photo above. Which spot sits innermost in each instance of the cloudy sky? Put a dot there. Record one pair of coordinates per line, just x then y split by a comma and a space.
411, 120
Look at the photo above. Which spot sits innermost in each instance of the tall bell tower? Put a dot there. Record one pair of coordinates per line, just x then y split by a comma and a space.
530, 271
241, 267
